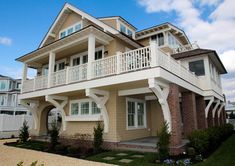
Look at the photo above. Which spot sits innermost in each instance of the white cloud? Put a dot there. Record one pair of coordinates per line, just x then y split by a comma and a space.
215, 32
228, 85
5, 41
228, 59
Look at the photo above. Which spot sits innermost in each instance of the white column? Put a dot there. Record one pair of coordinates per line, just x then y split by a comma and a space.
91, 55
51, 68
118, 54
154, 53
166, 38
24, 76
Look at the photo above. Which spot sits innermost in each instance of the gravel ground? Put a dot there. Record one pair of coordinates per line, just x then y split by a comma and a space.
10, 156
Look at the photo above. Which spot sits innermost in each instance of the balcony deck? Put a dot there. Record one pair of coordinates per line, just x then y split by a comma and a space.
149, 57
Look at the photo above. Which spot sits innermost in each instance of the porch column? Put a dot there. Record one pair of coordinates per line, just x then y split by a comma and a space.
214, 112
24, 76
91, 55
189, 112
174, 106
51, 68
201, 117
210, 119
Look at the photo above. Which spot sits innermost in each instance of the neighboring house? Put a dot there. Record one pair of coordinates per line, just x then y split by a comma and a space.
102, 69
9, 91
12, 114
230, 111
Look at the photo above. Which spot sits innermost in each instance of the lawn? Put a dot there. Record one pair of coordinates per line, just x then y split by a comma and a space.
223, 156
147, 159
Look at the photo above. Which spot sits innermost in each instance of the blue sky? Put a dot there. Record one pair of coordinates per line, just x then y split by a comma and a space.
25, 22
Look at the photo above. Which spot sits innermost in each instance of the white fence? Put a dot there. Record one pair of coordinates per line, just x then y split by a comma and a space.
12, 124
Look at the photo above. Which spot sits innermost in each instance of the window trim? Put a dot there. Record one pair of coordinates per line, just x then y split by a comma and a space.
71, 26
79, 101
136, 127
196, 60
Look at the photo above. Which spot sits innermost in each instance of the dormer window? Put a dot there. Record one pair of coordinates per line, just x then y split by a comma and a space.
126, 30
74, 28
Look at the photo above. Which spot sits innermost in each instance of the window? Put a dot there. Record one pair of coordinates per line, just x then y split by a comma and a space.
85, 59
61, 66
78, 27
131, 114
129, 32
94, 108
159, 38
172, 41
62, 34
70, 30
197, 67
76, 61
2, 100
2, 85
98, 55
123, 28
136, 116
74, 108
84, 108
126, 30
140, 114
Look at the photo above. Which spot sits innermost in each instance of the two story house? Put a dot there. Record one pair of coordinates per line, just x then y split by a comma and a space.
9, 91
104, 70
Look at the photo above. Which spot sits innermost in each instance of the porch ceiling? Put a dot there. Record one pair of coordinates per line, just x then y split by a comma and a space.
67, 42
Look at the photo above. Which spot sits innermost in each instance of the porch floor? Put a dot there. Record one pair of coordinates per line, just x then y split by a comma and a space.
147, 141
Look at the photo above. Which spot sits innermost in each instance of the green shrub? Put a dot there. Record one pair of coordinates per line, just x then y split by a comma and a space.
24, 132
199, 140
191, 152
59, 148
164, 142
98, 138
73, 150
54, 134
231, 116
209, 139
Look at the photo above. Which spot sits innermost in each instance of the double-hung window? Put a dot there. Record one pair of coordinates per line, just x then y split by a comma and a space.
74, 108
85, 107
136, 113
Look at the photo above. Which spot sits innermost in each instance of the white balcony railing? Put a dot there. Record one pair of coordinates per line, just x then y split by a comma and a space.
187, 47
121, 63
41, 82
77, 73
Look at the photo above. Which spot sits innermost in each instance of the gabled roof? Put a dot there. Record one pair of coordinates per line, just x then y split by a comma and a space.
67, 7
196, 52
168, 26
117, 17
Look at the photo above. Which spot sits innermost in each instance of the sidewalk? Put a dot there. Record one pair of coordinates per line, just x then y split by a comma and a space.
10, 156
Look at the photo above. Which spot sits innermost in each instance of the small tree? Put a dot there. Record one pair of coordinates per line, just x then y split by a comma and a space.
164, 142
24, 132
54, 134
98, 138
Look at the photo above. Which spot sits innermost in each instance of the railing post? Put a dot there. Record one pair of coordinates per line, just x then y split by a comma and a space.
51, 68
67, 75
118, 55
34, 84
154, 53
24, 76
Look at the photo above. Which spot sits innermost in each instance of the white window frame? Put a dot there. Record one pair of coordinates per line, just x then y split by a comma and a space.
79, 107
72, 26
136, 114
84, 54
127, 27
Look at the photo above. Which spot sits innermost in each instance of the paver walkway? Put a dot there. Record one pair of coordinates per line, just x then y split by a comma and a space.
10, 156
